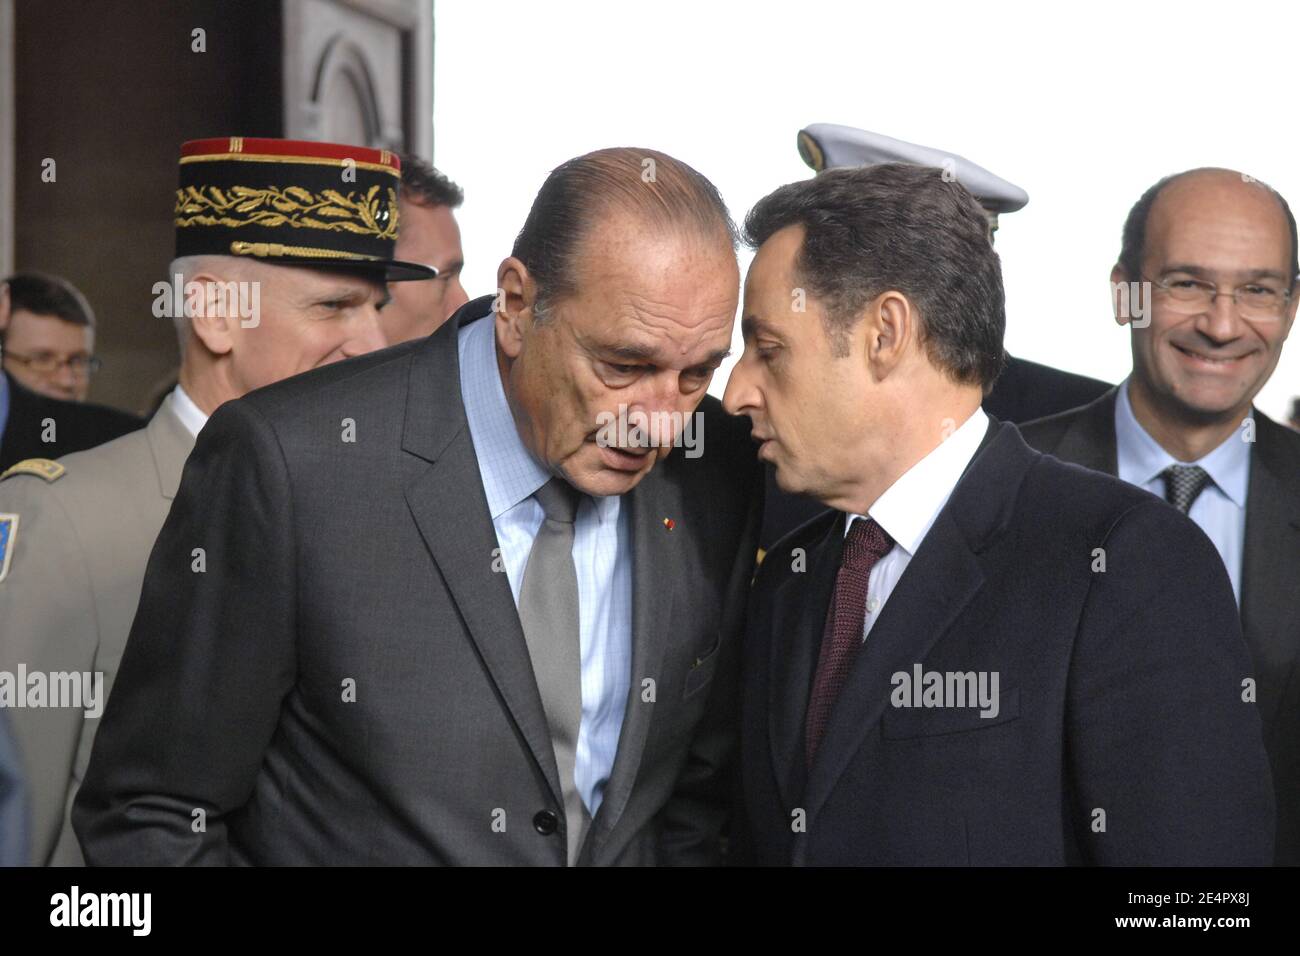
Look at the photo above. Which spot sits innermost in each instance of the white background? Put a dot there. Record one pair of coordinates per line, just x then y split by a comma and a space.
1082, 105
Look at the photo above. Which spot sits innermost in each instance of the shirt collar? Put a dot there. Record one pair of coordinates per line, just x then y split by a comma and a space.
911, 504
191, 416
509, 471
1141, 458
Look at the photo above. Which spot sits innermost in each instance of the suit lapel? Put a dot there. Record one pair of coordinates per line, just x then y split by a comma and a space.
657, 562
170, 443
1269, 590
447, 501
1090, 438
796, 631
939, 582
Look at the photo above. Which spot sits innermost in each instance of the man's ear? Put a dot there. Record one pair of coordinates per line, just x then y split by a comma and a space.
4, 306
891, 324
1120, 298
205, 308
514, 306
1291, 311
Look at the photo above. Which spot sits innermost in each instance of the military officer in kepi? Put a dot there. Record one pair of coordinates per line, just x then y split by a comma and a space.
283, 254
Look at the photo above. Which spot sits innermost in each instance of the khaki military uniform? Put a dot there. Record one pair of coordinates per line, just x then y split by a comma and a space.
80, 533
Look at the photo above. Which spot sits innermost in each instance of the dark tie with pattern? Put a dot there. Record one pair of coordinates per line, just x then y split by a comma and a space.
1183, 483
548, 611
864, 545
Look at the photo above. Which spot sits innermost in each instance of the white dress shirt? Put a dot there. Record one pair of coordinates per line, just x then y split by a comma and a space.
1220, 508
602, 556
909, 507
183, 407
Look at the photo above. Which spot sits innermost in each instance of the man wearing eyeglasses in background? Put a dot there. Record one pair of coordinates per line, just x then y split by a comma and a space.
49, 337
47, 334
1206, 280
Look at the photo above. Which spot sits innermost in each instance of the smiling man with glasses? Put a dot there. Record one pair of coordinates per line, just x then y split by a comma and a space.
1206, 280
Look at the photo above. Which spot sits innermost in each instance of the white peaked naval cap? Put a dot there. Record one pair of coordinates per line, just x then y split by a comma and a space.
828, 145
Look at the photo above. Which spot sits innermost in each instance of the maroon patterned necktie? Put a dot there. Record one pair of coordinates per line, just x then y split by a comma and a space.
864, 545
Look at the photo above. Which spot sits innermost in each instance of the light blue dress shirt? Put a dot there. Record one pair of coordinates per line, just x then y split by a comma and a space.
4, 402
602, 555
1220, 509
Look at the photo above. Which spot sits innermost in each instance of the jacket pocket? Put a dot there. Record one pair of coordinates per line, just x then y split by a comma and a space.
700, 672
899, 723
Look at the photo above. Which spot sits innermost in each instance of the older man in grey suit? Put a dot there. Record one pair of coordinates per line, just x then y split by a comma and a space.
474, 599
83, 526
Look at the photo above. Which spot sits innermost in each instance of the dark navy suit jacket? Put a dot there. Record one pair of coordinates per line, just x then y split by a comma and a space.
1121, 735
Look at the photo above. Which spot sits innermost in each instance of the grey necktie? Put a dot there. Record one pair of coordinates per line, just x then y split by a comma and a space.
548, 610
1183, 483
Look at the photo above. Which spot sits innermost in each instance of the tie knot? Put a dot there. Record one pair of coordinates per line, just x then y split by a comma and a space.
559, 500
1183, 483
866, 542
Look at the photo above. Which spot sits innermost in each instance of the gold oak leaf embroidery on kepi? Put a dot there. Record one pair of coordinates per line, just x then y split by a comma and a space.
294, 206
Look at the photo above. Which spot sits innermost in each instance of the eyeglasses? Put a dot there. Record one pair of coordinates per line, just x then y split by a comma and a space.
1254, 300
82, 366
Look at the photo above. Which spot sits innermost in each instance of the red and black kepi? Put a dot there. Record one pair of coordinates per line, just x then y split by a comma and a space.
289, 202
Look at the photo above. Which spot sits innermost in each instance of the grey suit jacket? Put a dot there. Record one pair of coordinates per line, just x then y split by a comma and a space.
67, 603
342, 677
1270, 577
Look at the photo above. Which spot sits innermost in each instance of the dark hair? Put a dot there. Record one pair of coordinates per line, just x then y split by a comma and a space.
660, 191
1132, 249
897, 226
43, 294
425, 185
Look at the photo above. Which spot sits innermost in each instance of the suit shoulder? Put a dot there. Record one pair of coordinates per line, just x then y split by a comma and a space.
1044, 433
1063, 494
101, 420
1283, 442
358, 374
1175, 556
1058, 376
102, 473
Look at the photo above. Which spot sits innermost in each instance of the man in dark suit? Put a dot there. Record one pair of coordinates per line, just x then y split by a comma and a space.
981, 655
1024, 389
1206, 278
37, 426
458, 602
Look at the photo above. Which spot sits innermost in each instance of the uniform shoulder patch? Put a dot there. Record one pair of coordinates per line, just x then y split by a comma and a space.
8, 535
40, 467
